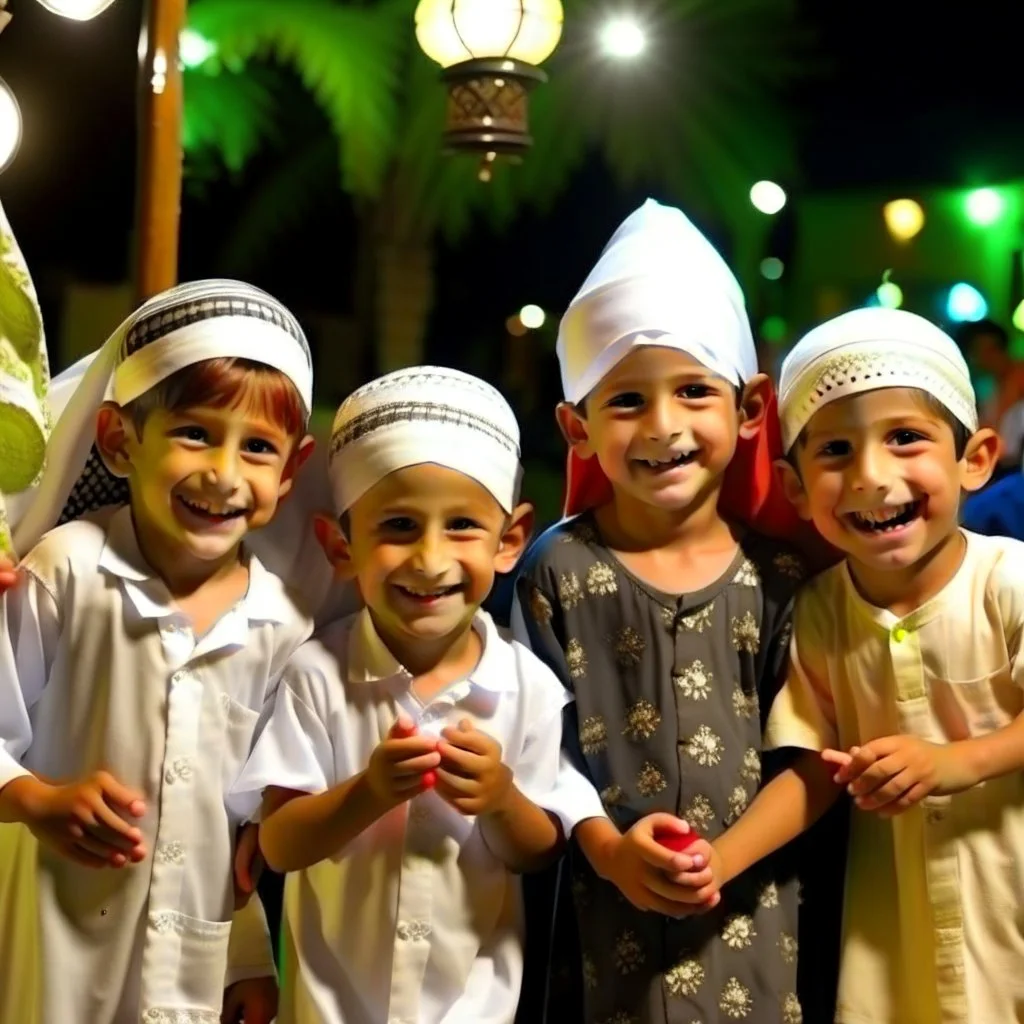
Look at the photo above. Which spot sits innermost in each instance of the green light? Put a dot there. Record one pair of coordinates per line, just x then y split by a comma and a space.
774, 330
984, 206
772, 268
194, 49
889, 295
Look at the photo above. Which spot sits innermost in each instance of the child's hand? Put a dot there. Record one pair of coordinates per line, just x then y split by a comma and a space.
249, 863
472, 777
891, 774
398, 763
705, 878
253, 1001
643, 869
81, 821
9, 574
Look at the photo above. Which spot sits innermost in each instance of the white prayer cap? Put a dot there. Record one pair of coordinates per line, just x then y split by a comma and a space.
660, 282
867, 349
425, 414
187, 324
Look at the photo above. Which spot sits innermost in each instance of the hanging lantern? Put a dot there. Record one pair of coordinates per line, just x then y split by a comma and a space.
489, 50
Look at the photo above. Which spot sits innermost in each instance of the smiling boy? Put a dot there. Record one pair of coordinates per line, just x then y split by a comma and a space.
907, 677
136, 656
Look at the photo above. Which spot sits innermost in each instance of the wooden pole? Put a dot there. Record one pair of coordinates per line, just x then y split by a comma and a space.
158, 185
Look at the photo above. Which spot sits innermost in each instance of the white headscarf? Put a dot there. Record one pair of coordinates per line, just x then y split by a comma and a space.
178, 328
425, 414
658, 282
867, 349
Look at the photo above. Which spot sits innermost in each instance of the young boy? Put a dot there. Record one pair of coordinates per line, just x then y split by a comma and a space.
136, 655
906, 677
669, 622
413, 751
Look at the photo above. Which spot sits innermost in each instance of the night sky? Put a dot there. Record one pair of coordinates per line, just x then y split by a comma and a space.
898, 94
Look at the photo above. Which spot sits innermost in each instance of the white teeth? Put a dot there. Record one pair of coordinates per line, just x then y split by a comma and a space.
883, 515
208, 509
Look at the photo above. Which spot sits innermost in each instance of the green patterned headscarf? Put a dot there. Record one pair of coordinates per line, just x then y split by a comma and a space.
24, 378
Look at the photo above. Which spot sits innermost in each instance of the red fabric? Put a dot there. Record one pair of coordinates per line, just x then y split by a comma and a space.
751, 492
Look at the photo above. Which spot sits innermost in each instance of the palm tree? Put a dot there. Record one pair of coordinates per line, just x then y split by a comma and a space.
700, 121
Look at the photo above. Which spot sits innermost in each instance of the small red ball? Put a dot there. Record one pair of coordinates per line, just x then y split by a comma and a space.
674, 841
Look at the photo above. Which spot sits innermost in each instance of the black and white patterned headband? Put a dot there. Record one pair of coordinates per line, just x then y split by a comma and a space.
180, 327
420, 415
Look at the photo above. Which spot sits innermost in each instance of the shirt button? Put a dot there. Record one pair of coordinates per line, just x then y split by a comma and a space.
899, 634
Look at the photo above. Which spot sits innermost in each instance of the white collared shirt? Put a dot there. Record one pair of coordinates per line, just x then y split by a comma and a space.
99, 670
415, 921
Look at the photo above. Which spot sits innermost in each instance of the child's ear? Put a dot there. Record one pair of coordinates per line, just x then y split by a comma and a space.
793, 488
300, 453
574, 429
113, 440
515, 538
333, 541
754, 404
979, 459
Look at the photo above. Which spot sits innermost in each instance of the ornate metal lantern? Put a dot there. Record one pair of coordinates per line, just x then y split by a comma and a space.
489, 50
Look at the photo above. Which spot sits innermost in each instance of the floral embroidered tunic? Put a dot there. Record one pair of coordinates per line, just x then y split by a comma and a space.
669, 691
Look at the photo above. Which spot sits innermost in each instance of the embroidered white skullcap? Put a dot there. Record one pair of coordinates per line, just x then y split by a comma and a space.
177, 328
867, 349
425, 414
660, 282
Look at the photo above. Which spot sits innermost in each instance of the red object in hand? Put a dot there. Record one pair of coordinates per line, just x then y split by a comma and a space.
675, 841
403, 732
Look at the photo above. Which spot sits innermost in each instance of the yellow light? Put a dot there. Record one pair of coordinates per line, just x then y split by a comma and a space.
904, 218
532, 317
515, 327
1018, 316
10, 125
452, 31
76, 10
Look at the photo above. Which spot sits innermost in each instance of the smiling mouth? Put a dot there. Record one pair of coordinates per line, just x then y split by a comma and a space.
672, 462
204, 511
885, 520
423, 596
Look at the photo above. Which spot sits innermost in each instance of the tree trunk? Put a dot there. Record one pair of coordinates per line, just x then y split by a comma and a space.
403, 284
404, 299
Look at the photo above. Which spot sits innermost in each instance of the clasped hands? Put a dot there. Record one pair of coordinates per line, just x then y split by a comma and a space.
891, 774
463, 767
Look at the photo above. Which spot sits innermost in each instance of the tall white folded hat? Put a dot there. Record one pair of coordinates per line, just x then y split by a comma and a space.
867, 349
659, 281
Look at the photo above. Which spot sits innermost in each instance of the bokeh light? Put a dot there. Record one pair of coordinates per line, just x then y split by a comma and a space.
965, 303
532, 317
772, 268
984, 206
623, 38
904, 218
768, 197
10, 125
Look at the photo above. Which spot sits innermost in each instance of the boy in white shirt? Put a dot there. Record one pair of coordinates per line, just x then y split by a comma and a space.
137, 653
413, 751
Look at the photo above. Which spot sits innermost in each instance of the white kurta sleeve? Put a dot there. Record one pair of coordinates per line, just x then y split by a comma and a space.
250, 950
29, 634
295, 750
544, 772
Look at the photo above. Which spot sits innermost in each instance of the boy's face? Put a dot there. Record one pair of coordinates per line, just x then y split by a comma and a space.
661, 424
880, 478
424, 545
201, 478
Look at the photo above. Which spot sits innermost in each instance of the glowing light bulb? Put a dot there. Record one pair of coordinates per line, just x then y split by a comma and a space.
533, 317
623, 38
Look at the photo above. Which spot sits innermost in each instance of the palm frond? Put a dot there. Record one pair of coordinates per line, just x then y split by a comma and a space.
285, 199
349, 57
229, 113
